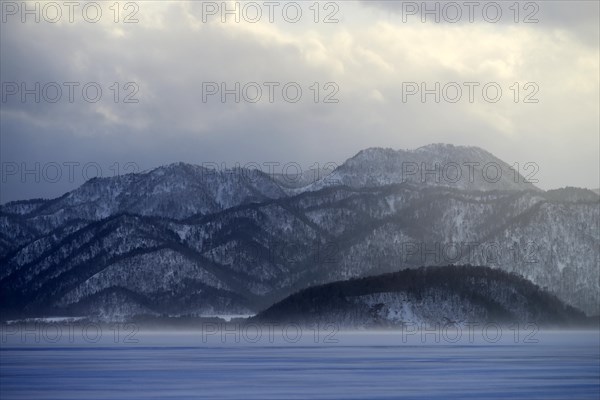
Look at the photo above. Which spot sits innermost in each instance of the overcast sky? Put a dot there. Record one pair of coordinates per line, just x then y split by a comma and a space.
368, 61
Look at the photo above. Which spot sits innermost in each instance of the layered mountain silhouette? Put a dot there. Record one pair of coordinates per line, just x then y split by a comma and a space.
188, 240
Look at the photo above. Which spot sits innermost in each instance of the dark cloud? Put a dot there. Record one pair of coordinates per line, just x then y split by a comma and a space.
169, 54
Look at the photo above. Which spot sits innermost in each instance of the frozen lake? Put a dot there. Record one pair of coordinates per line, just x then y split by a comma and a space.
550, 365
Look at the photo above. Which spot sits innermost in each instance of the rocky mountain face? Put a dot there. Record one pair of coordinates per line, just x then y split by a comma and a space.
427, 296
185, 240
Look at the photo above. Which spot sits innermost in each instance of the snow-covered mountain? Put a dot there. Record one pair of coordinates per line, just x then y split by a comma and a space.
175, 191
462, 167
182, 240
424, 297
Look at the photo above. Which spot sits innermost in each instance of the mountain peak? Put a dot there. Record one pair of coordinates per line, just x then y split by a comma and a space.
447, 147
438, 164
175, 167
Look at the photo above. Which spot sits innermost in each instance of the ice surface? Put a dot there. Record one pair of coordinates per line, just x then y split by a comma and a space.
360, 365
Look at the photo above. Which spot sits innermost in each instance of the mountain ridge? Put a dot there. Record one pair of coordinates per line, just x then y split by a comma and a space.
243, 174
250, 243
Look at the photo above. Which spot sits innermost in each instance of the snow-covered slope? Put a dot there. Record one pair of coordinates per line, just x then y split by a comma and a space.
424, 297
